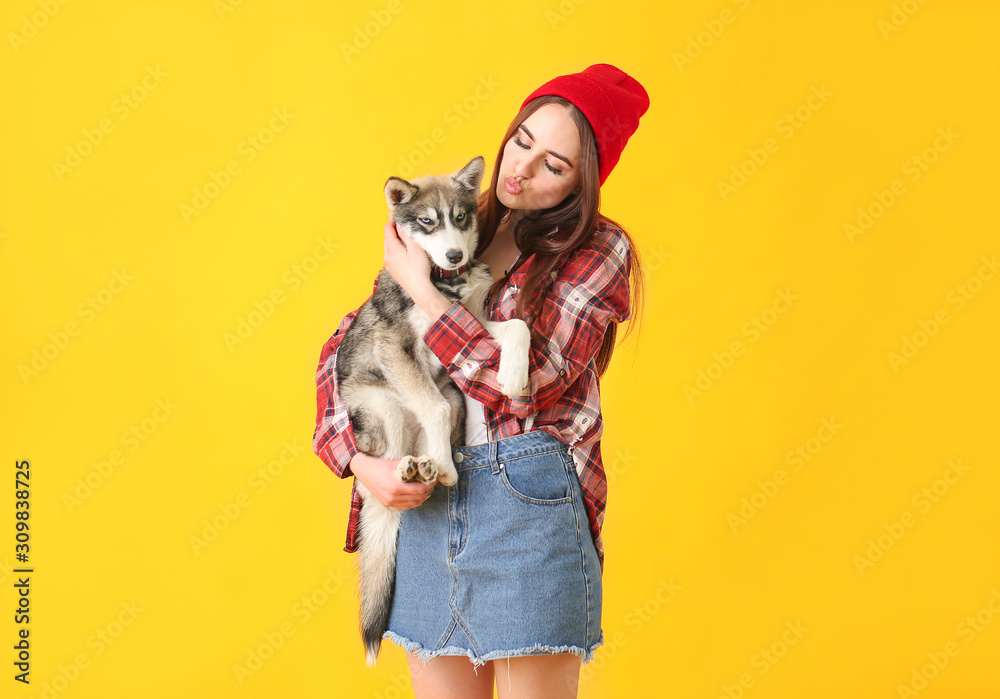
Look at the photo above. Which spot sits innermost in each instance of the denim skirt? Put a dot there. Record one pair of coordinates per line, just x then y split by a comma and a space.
503, 563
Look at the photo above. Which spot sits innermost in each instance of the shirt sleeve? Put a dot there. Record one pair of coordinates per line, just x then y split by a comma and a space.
333, 439
590, 291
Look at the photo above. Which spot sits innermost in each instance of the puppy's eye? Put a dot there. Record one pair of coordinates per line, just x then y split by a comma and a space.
425, 221
460, 216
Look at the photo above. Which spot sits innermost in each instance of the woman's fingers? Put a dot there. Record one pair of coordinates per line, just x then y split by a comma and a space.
393, 240
406, 501
395, 254
415, 492
379, 476
404, 496
390, 233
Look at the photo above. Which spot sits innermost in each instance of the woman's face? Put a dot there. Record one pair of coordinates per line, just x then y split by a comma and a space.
540, 164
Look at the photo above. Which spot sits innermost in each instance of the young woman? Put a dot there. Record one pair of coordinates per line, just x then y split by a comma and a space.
504, 568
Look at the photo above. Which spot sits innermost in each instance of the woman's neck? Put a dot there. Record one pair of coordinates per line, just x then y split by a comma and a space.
512, 218
503, 250
505, 230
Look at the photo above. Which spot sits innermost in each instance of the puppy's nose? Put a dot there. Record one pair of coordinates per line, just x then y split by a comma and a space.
454, 256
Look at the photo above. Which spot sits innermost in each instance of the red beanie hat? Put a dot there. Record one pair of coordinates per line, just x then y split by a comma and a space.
611, 100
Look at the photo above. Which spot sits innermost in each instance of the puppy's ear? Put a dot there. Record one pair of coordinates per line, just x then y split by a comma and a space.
471, 176
399, 191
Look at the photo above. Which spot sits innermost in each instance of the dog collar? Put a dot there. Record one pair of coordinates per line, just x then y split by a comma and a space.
446, 273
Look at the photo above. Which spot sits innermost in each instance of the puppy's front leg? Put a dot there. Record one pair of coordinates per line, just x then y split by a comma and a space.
515, 341
514, 337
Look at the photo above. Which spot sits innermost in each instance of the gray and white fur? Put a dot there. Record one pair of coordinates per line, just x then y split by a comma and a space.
401, 400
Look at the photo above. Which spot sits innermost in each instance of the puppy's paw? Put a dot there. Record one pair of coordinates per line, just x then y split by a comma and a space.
513, 371
427, 469
407, 469
513, 378
447, 475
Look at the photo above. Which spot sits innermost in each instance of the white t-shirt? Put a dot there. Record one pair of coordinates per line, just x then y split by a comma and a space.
475, 422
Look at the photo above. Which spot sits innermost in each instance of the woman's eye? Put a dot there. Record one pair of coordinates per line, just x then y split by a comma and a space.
518, 141
553, 169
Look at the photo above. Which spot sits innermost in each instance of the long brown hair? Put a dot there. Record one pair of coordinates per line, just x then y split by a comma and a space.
553, 234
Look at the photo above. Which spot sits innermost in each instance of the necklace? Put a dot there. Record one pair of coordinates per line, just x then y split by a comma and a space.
503, 221
506, 272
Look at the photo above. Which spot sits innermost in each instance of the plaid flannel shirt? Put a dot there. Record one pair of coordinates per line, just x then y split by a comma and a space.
589, 291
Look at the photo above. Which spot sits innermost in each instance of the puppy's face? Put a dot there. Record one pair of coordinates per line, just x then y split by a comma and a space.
439, 212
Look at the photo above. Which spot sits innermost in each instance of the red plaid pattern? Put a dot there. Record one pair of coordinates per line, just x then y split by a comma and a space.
589, 291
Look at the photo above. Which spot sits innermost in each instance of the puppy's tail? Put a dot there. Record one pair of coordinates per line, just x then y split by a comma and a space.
377, 533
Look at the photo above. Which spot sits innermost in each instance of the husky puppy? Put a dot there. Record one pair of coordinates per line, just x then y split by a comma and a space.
401, 401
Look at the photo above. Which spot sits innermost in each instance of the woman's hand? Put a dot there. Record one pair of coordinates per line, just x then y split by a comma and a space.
379, 476
410, 266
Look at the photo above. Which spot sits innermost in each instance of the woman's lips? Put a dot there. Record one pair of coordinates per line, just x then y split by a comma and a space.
512, 185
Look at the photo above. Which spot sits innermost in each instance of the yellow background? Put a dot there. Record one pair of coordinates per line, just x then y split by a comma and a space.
691, 599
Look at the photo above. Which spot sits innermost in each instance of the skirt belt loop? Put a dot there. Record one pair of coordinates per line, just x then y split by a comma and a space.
494, 458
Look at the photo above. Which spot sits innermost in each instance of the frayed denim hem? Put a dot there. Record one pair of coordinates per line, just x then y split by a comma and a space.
425, 655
